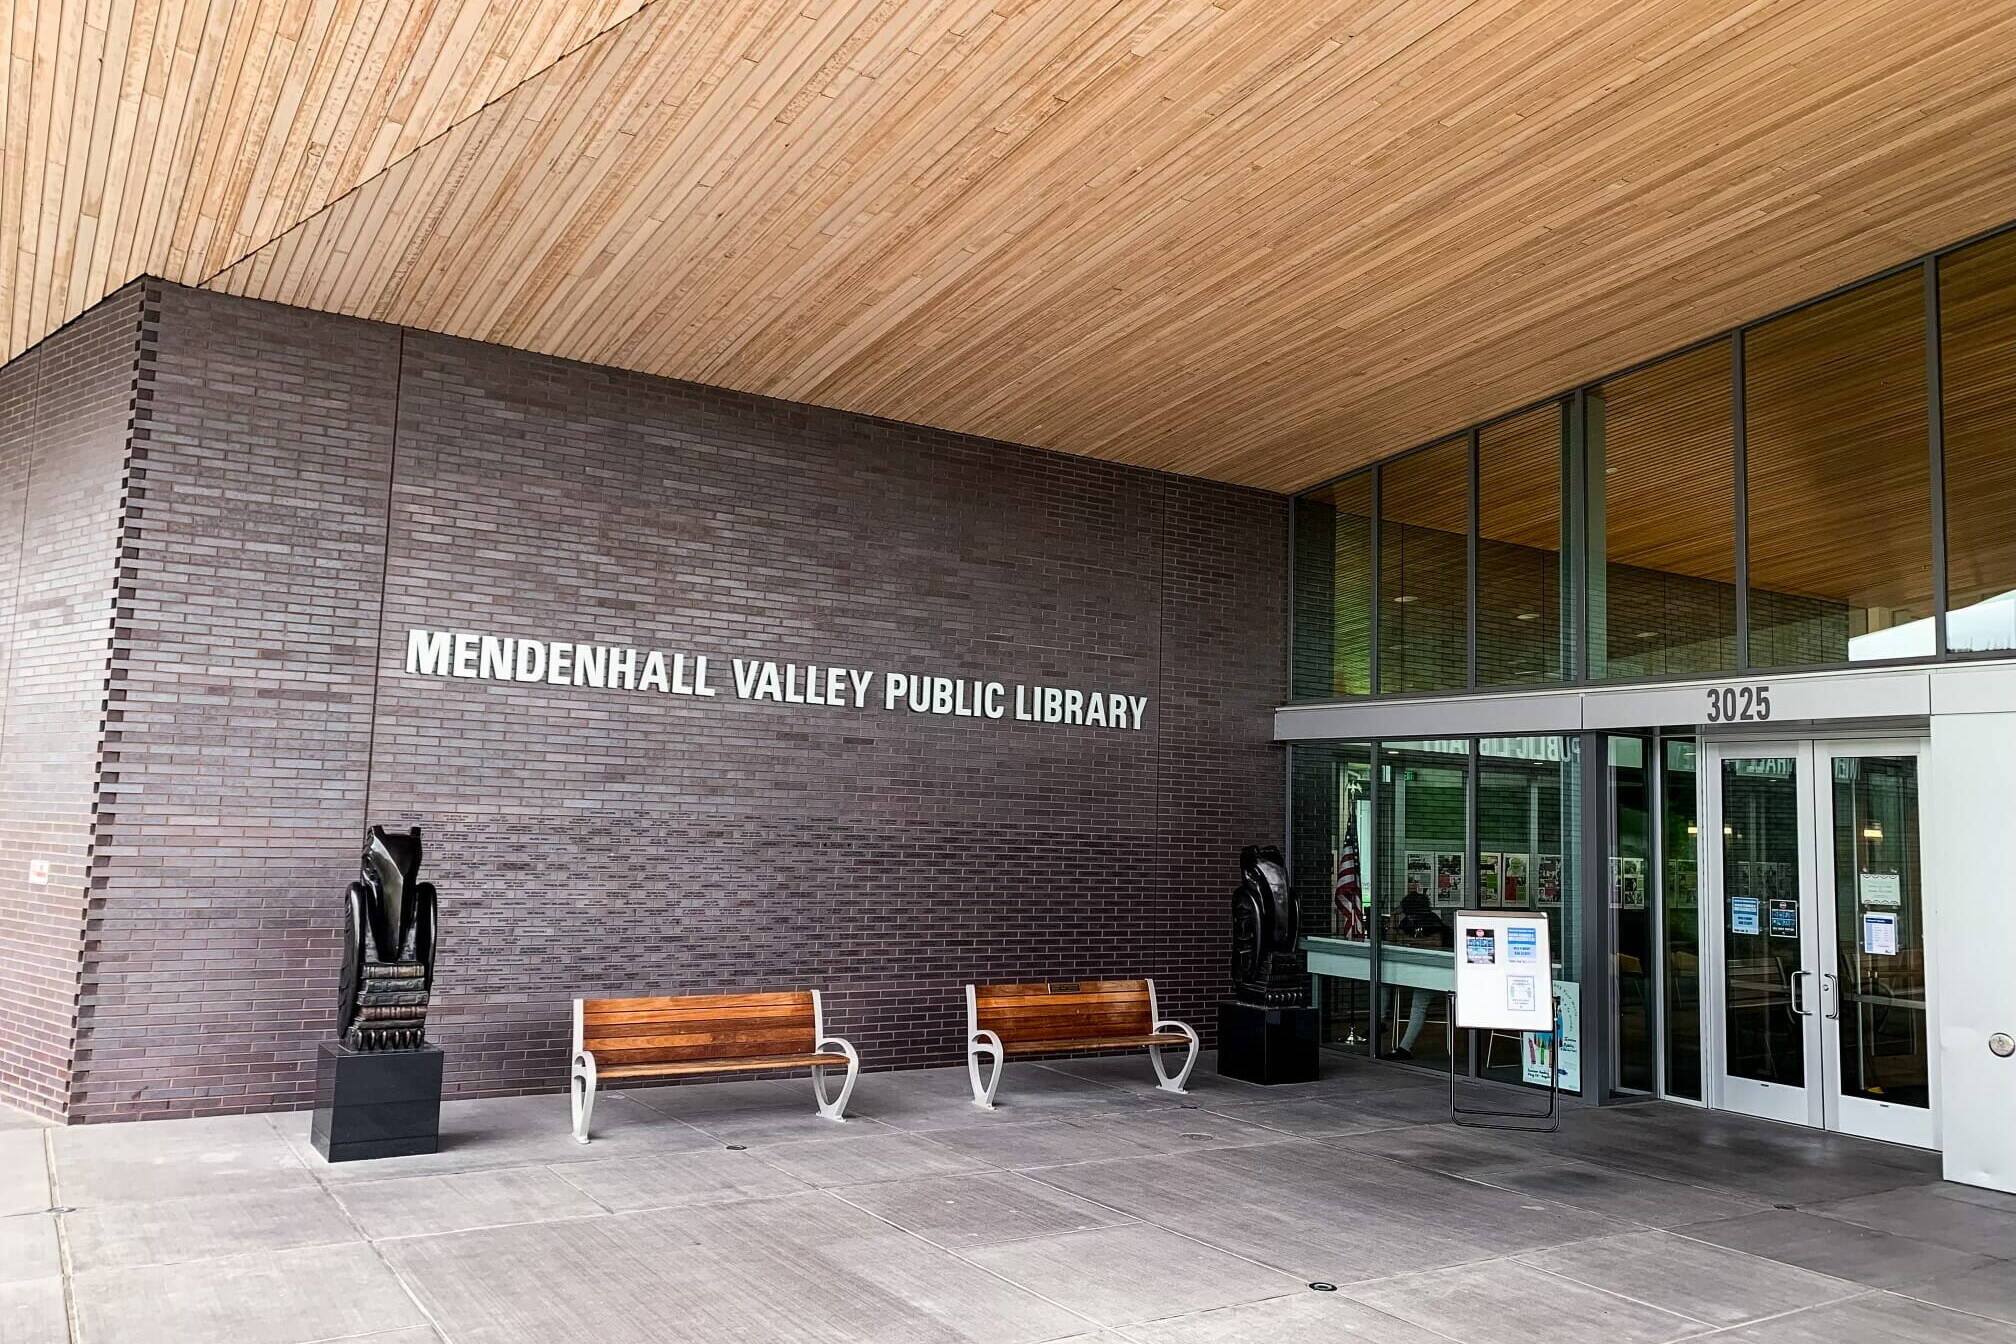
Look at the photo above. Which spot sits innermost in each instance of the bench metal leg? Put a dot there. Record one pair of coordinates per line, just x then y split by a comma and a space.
1168, 1084
836, 1108
581, 1087
984, 1043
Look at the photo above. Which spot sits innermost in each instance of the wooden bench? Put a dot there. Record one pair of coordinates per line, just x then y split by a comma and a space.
1072, 1016
709, 1033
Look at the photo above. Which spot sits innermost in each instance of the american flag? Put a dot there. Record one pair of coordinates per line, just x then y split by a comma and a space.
1350, 895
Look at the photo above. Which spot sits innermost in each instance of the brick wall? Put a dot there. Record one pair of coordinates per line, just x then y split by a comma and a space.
66, 412
315, 486
237, 756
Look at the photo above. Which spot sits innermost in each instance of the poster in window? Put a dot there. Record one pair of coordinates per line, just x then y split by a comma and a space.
1512, 871
1682, 884
1631, 884
1449, 878
1548, 879
1489, 895
1420, 873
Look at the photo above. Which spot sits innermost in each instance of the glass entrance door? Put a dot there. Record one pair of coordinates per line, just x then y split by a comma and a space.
1818, 935
1874, 1019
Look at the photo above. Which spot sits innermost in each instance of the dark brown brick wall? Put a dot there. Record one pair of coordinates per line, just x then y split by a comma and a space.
66, 411
237, 756
610, 841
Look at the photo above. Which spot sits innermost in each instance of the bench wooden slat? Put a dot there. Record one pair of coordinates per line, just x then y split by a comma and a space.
1051, 987
685, 1033
1062, 1012
1030, 1047
697, 1066
766, 1039
699, 1004
704, 1027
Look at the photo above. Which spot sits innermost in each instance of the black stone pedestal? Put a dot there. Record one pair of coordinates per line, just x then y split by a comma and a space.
1266, 1045
377, 1103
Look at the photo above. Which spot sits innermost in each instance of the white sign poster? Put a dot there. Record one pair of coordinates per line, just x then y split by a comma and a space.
1881, 889
1879, 935
1504, 972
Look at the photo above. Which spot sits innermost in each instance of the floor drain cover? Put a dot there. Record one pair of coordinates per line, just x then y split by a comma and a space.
1784, 1206
738, 1148
1324, 1287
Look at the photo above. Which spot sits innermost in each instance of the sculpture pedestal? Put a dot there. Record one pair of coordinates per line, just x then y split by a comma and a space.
1267, 1045
376, 1103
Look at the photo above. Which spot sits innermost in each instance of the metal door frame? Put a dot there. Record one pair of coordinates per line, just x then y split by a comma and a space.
1819, 1103
1770, 1101
1912, 1125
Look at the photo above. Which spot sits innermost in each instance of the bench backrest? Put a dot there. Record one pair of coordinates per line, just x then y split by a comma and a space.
703, 1026
1071, 1010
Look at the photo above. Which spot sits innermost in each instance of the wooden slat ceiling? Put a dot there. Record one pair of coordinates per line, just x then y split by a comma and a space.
1261, 241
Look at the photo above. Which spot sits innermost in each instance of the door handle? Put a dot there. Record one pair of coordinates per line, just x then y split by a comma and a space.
1830, 997
1799, 1007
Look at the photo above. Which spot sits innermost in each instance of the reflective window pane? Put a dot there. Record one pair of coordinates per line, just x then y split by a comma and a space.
1526, 822
1332, 830
1424, 505
1422, 823
1839, 482
1520, 622
1880, 931
1977, 320
1634, 928
1760, 874
1662, 511
1680, 895
1333, 590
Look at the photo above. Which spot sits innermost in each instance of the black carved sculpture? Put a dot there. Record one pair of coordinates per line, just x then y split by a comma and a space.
388, 963
1267, 964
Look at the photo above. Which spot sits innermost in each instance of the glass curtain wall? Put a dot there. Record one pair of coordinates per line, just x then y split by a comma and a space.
1521, 624
1423, 828
1383, 865
1331, 843
1680, 907
1527, 824
1333, 590
1632, 877
1815, 489
1839, 480
1424, 570
1662, 511
1977, 347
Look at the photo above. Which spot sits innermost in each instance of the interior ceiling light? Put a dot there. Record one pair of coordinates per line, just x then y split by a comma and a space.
1405, 598
1529, 615
1648, 634
1872, 832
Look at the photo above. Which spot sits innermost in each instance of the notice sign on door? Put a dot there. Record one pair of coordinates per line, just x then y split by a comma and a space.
1504, 973
1784, 919
1744, 914
1879, 935
1881, 889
